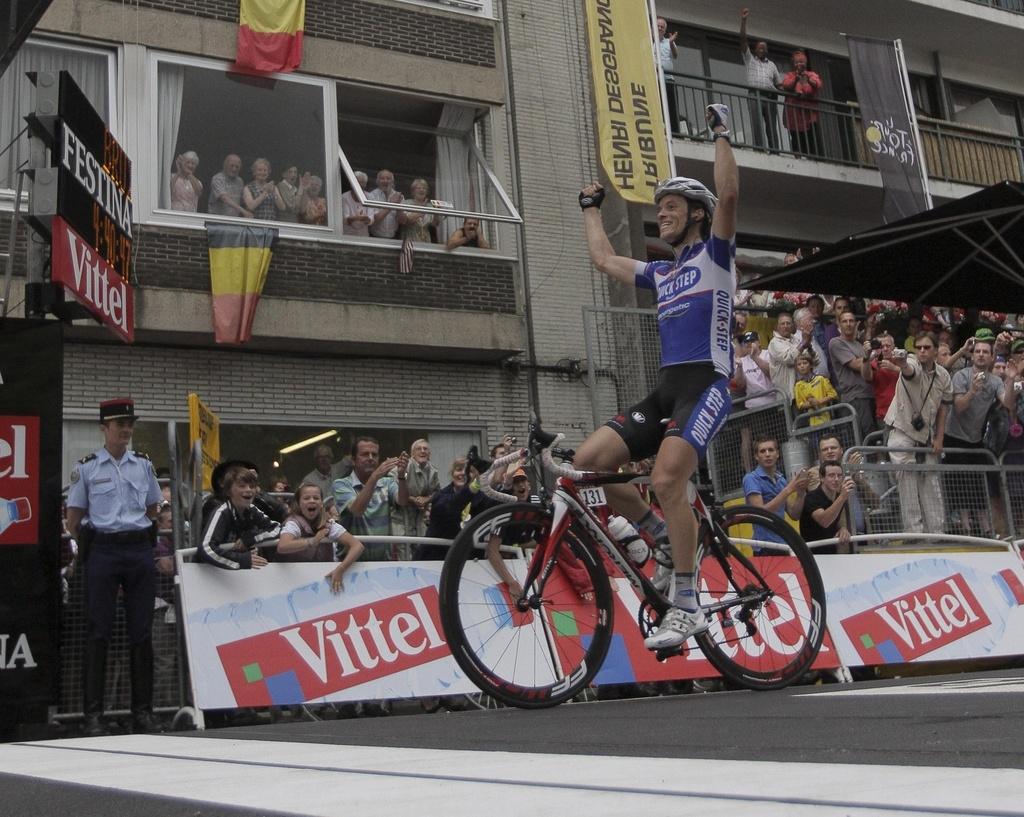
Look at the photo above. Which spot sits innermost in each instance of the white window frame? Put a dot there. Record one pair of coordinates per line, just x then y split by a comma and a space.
113, 55
148, 181
471, 8
512, 216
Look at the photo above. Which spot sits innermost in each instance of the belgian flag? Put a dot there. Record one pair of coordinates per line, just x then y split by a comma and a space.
270, 34
239, 259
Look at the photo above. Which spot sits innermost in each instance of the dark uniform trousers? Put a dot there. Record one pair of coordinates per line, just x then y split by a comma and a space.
119, 561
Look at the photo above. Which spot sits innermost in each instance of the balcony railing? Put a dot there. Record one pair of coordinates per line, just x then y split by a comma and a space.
953, 152
1016, 6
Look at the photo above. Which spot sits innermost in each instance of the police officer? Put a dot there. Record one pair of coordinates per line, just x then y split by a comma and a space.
111, 509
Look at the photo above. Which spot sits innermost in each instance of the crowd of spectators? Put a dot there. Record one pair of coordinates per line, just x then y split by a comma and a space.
299, 198
939, 391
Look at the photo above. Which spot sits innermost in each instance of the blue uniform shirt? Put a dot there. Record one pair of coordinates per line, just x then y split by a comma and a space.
758, 482
114, 493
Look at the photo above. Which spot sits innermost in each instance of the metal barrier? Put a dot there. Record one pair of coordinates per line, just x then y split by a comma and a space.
738, 434
837, 420
917, 496
623, 357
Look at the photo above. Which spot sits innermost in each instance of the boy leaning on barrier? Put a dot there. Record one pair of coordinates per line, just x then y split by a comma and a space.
917, 419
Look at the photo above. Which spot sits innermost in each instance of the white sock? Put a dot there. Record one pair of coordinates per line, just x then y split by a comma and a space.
685, 596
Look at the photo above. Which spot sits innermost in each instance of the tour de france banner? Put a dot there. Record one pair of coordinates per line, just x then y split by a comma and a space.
908, 608
890, 125
279, 636
630, 125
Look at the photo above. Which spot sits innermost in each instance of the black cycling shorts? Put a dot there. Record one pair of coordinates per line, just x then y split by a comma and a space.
695, 400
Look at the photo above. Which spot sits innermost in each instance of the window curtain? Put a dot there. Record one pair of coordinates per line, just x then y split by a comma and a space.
170, 86
454, 178
89, 71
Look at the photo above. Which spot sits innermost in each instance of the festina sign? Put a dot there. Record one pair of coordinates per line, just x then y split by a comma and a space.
85, 273
92, 230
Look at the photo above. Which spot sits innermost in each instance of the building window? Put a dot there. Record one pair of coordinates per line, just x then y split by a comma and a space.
237, 146
429, 149
479, 8
983, 109
92, 71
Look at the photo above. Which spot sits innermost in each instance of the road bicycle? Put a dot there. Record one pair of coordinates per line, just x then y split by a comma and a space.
544, 645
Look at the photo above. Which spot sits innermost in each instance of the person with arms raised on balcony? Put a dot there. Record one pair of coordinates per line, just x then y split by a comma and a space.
667, 53
764, 78
695, 294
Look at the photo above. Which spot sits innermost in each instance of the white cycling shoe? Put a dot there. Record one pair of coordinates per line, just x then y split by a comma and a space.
676, 627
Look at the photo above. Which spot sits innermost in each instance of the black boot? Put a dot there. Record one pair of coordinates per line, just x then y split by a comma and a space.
93, 681
141, 659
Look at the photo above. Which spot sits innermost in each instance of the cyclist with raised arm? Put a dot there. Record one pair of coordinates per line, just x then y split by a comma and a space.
694, 298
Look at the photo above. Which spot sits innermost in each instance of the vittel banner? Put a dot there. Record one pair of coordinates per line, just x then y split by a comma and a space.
896, 609
30, 528
279, 636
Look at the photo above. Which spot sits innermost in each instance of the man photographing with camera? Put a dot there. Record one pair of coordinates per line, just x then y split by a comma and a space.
917, 419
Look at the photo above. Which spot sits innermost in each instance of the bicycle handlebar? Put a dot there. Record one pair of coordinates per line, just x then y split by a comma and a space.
485, 478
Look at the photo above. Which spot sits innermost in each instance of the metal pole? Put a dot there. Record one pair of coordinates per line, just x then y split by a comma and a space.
35, 257
11, 238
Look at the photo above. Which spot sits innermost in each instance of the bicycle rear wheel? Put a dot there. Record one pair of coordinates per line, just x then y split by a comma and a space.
534, 657
768, 610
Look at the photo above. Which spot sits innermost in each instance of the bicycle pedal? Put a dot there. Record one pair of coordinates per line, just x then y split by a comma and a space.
670, 652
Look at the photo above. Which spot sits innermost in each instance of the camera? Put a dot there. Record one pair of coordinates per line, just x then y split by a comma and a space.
917, 422
899, 354
970, 343
1018, 385
749, 337
876, 344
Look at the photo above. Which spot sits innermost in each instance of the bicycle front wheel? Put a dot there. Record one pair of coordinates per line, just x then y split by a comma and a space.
546, 648
767, 610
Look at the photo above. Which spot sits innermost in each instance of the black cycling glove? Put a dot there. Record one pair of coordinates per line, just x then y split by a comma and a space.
593, 200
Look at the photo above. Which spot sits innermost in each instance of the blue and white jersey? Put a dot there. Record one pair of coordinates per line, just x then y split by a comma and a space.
695, 295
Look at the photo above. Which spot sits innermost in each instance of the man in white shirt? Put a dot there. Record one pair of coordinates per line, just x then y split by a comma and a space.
385, 221
666, 56
764, 79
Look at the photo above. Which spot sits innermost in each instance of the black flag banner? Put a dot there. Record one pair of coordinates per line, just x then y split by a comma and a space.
889, 125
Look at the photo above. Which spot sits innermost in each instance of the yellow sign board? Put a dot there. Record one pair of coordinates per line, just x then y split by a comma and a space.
630, 125
204, 425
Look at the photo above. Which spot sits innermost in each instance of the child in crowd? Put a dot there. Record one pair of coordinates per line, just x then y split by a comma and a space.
310, 535
812, 391
235, 527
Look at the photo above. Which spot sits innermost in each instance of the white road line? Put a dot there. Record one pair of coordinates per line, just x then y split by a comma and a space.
326, 780
961, 687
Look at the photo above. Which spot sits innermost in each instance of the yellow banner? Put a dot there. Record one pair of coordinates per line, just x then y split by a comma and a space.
630, 125
204, 425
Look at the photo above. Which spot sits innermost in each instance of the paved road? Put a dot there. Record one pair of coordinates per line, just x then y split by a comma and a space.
941, 745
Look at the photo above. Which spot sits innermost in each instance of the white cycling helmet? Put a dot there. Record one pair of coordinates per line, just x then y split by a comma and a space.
689, 189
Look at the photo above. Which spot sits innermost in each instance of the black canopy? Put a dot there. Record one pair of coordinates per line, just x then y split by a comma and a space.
966, 253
